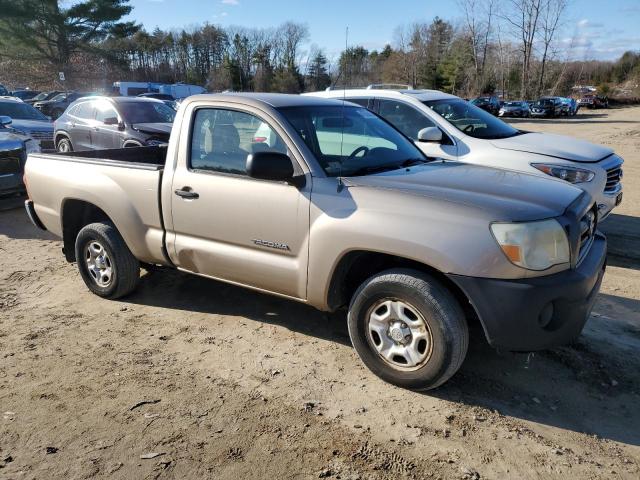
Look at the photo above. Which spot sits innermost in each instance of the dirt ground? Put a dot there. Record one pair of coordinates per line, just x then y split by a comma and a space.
213, 381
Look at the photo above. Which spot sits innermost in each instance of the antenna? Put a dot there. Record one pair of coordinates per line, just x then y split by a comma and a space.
344, 94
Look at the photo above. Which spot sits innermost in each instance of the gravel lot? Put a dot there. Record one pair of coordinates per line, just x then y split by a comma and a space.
190, 378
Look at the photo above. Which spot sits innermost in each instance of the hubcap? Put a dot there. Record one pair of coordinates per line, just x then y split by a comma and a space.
99, 264
399, 334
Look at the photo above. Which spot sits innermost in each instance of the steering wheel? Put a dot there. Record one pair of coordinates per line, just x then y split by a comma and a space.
468, 129
357, 151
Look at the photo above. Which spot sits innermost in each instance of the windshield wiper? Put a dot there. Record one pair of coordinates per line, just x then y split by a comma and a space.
410, 162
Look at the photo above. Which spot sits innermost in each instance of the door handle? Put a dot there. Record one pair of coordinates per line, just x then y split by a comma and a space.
186, 192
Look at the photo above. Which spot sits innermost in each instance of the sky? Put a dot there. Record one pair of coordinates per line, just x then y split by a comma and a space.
594, 29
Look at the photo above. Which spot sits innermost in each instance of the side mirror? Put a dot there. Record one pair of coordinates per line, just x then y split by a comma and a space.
270, 166
430, 134
111, 121
4, 120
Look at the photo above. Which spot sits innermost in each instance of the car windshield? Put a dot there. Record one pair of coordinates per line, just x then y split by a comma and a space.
60, 97
481, 101
352, 141
146, 112
471, 120
513, 104
41, 96
21, 111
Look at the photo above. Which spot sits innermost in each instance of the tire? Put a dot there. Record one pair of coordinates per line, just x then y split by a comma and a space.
64, 145
421, 298
101, 253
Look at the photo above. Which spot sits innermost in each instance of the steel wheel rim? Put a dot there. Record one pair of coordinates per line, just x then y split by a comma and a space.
99, 264
399, 334
63, 146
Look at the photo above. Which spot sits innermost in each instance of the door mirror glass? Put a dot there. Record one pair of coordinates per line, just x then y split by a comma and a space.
269, 165
5, 120
430, 134
111, 121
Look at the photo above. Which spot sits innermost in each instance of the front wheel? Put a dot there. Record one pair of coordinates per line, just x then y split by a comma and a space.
408, 329
106, 264
64, 145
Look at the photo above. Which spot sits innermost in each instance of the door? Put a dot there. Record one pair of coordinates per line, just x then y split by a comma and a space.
230, 226
81, 127
106, 132
409, 120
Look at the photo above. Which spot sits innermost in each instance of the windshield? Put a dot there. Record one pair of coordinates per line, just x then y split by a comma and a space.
480, 100
470, 119
41, 96
146, 112
60, 97
21, 111
352, 141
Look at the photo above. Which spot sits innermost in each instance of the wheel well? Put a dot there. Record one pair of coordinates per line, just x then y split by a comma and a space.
75, 215
357, 266
60, 135
132, 143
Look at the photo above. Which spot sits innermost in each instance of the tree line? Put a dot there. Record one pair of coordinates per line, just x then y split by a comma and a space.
510, 47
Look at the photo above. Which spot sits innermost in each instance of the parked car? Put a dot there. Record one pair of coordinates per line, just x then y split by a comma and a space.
28, 121
13, 154
3, 91
95, 123
25, 95
487, 103
594, 101
343, 211
546, 107
43, 96
58, 104
570, 106
445, 126
514, 109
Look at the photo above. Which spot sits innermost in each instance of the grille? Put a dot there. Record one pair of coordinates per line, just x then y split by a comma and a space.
588, 225
614, 175
10, 162
42, 134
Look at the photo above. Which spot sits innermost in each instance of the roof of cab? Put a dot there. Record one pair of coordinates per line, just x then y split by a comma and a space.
275, 100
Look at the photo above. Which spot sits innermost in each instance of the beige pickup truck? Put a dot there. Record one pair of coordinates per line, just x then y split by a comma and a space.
324, 202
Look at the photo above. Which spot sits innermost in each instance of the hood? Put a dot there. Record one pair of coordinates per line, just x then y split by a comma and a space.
554, 146
504, 194
155, 128
10, 141
32, 125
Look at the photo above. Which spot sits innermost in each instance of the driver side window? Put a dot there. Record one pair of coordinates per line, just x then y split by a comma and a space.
222, 140
404, 117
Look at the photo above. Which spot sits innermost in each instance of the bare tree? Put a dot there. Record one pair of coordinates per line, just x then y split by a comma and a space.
552, 14
478, 17
524, 18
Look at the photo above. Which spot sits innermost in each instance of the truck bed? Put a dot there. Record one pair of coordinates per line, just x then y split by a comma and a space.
148, 158
122, 183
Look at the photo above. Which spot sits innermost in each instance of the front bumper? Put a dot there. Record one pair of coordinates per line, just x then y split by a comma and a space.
541, 312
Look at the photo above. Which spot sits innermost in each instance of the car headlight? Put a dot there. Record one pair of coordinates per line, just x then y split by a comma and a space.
570, 174
533, 245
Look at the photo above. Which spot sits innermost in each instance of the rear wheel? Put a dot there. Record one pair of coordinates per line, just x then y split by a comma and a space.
408, 329
106, 264
64, 145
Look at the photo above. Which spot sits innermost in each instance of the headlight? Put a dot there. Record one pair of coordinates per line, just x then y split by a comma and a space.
533, 245
570, 174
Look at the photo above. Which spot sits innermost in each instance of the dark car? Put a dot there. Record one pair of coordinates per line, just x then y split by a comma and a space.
594, 101
58, 104
42, 96
157, 96
3, 91
488, 103
24, 94
514, 109
547, 107
113, 122
570, 106
12, 159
